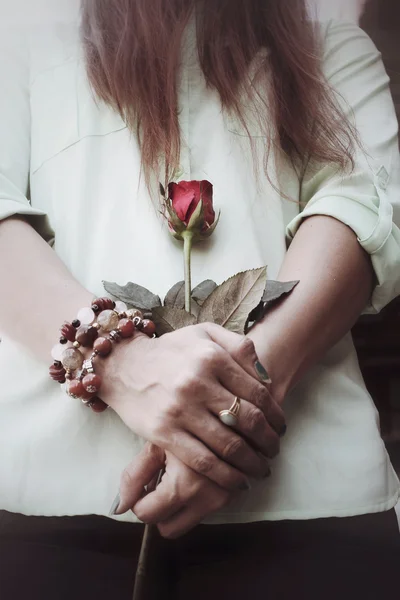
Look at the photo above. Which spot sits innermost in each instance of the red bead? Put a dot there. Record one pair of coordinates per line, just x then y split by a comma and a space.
86, 335
126, 328
57, 373
76, 389
68, 331
101, 304
148, 327
102, 346
97, 405
92, 383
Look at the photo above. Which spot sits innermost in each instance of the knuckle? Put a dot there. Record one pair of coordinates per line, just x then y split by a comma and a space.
246, 347
210, 356
234, 447
260, 397
203, 464
185, 384
173, 409
255, 420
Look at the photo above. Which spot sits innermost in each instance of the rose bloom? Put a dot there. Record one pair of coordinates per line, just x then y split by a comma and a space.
185, 197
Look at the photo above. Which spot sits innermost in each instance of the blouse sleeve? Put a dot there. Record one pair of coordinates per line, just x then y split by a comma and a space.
15, 128
364, 200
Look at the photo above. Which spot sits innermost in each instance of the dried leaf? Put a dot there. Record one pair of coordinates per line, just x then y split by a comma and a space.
169, 319
133, 294
162, 190
176, 296
274, 290
203, 290
229, 304
195, 309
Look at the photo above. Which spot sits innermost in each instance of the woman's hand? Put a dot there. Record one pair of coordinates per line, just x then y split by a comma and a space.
180, 502
170, 391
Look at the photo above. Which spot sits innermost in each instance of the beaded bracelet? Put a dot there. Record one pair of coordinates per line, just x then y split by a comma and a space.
76, 372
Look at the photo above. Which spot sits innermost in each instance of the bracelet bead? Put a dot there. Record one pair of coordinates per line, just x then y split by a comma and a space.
102, 304
148, 327
68, 331
126, 327
86, 335
57, 373
108, 320
92, 383
86, 316
72, 359
102, 346
97, 405
77, 373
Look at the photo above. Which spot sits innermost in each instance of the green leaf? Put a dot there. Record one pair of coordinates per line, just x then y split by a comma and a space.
197, 219
176, 296
229, 304
177, 225
274, 290
133, 294
169, 319
162, 190
203, 290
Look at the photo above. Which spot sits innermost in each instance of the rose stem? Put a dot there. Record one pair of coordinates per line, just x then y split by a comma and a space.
187, 250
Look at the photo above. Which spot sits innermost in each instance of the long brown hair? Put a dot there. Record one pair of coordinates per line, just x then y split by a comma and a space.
133, 53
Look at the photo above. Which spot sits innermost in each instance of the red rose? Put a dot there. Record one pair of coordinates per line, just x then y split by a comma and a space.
185, 197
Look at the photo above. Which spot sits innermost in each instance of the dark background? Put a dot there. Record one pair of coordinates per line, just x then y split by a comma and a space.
377, 338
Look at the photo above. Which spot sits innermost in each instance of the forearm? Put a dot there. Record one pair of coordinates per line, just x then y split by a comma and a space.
38, 292
336, 279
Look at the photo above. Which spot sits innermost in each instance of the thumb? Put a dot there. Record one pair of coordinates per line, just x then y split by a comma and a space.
139, 473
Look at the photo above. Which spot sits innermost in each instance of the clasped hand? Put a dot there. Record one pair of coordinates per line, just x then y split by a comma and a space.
170, 392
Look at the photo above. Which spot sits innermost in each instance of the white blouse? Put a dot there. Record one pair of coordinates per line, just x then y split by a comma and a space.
73, 164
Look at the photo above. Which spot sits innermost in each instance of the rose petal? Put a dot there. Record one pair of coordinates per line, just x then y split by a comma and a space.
183, 198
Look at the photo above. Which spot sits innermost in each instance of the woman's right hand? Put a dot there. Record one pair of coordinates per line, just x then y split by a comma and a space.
170, 391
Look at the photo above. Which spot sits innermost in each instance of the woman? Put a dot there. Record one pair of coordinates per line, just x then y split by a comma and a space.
249, 95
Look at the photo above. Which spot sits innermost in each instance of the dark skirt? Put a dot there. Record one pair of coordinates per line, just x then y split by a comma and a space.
95, 558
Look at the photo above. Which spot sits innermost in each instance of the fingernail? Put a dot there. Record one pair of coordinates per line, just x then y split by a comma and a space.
262, 373
283, 431
245, 486
115, 505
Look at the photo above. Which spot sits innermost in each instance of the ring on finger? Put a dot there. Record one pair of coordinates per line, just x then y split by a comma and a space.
230, 417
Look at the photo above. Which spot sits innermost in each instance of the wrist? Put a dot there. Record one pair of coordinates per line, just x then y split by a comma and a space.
277, 359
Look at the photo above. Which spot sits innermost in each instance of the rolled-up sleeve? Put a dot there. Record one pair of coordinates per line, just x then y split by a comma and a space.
365, 200
15, 128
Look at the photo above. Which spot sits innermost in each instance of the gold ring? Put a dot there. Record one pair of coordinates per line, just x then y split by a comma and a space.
230, 417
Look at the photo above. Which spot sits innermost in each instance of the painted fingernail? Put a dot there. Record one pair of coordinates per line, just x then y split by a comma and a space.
115, 505
245, 486
283, 431
262, 373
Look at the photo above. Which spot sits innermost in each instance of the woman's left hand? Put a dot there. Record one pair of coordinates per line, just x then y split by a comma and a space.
182, 499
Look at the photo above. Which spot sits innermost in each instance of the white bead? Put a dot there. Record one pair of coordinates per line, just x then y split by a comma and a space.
58, 351
86, 316
228, 419
120, 306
